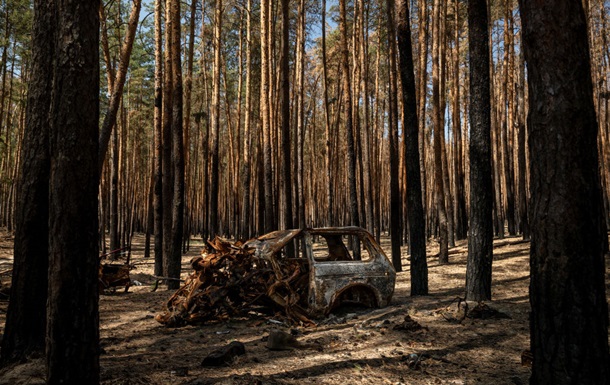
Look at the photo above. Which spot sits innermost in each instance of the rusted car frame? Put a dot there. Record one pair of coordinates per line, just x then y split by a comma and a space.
335, 276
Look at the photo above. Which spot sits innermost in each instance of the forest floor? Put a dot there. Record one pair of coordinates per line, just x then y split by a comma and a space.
363, 347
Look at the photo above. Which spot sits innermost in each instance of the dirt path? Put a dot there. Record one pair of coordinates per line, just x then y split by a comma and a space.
363, 347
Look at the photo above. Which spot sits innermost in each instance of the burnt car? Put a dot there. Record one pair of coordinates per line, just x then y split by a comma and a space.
293, 275
335, 274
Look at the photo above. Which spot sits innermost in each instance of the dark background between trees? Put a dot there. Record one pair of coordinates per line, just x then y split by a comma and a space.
239, 117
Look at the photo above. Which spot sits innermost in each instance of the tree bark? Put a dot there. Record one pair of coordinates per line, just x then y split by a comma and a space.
72, 342
569, 318
175, 256
285, 165
215, 124
422, 86
439, 194
158, 136
246, 161
24, 332
349, 126
395, 207
480, 237
415, 210
327, 131
119, 82
265, 106
167, 179
461, 223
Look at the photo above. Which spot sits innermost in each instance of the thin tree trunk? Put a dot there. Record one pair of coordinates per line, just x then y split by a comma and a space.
349, 126
395, 209
300, 110
168, 179
328, 165
158, 140
246, 170
461, 225
506, 128
285, 164
439, 194
480, 238
119, 82
366, 134
422, 87
269, 211
415, 210
215, 124
175, 256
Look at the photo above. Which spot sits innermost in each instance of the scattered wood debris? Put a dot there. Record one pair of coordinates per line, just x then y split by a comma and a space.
484, 311
456, 315
230, 280
409, 325
225, 355
113, 273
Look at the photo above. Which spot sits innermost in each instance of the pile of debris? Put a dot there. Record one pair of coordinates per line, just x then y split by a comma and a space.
113, 273
231, 280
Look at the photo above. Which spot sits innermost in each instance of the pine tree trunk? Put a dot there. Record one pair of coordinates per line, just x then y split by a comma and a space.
168, 179
175, 256
422, 86
439, 193
119, 82
215, 125
480, 237
461, 225
269, 210
158, 136
24, 332
246, 163
395, 209
569, 318
72, 342
285, 165
349, 126
415, 210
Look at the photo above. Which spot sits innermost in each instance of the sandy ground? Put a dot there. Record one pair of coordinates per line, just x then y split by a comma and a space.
364, 347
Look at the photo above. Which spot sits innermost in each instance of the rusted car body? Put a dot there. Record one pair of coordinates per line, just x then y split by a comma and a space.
336, 274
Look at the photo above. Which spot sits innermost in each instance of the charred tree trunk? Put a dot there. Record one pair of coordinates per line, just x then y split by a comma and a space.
395, 207
415, 210
24, 333
461, 222
167, 180
175, 255
569, 318
480, 238
215, 126
349, 126
72, 342
328, 164
439, 193
246, 164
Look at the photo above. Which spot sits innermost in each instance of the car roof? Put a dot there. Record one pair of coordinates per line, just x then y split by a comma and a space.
274, 241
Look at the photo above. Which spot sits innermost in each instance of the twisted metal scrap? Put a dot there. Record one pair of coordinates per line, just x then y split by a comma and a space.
230, 280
